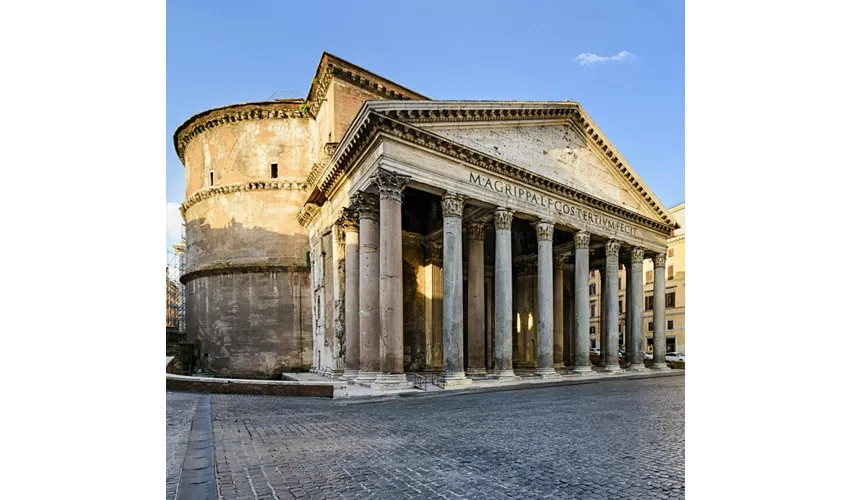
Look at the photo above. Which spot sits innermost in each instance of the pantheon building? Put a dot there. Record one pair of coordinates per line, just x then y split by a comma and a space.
367, 232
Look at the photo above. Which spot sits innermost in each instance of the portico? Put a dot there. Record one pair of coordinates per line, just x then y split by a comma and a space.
479, 224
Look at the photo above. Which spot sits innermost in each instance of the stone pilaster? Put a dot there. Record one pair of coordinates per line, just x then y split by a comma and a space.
453, 290
558, 312
581, 363
503, 300
434, 305
338, 342
545, 314
659, 339
475, 303
351, 353
392, 375
634, 311
369, 286
612, 314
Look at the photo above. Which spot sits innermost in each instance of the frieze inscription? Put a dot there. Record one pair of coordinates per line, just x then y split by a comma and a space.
530, 196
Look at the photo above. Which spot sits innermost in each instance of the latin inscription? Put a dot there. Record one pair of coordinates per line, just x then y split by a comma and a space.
548, 203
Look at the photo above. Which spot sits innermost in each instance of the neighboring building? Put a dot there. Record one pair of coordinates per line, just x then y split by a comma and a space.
172, 302
674, 295
368, 231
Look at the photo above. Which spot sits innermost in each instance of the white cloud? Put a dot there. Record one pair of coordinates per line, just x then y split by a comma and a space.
587, 59
173, 223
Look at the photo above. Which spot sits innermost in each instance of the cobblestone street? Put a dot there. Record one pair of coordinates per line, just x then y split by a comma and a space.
180, 408
614, 439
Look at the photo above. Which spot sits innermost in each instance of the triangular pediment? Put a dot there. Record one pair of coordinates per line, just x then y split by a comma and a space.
555, 140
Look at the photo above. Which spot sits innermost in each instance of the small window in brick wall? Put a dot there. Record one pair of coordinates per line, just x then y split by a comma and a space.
647, 303
212, 183
669, 324
649, 327
274, 170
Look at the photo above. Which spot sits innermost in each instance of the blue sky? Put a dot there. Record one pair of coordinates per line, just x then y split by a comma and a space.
221, 53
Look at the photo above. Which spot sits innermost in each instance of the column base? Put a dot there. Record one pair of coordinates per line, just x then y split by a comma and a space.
545, 373
365, 378
612, 369
656, 366
582, 370
349, 376
503, 375
560, 366
635, 367
476, 372
456, 379
391, 382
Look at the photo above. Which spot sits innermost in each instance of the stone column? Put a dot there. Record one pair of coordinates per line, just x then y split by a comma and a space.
434, 305
659, 343
634, 312
475, 279
453, 291
392, 342
369, 272
612, 313
570, 311
545, 314
600, 332
503, 299
581, 363
352, 293
558, 310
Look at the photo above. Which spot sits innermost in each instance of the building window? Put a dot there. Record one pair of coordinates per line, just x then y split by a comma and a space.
669, 324
670, 252
650, 276
592, 310
593, 330
593, 291
212, 183
620, 283
620, 306
670, 273
670, 298
274, 170
647, 303
649, 327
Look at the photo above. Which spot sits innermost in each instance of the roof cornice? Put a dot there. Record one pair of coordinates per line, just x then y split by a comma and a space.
332, 66
237, 187
369, 123
233, 113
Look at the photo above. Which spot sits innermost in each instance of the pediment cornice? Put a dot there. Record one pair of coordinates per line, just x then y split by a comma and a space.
371, 122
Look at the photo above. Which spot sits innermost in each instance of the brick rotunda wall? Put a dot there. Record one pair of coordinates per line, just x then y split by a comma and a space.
247, 273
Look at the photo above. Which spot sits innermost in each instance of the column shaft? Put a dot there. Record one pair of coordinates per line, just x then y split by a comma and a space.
453, 290
369, 286
635, 310
612, 313
558, 310
391, 292
352, 294
581, 363
659, 341
545, 313
503, 300
475, 285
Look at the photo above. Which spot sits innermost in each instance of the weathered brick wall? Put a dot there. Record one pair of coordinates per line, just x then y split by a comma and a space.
251, 323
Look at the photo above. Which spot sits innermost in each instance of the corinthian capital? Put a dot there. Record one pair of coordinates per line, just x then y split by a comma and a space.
349, 220
660, 260
502, 218
390, 183
435, 249
453, 205
544, 230
367, 205
582, 239
612, 247
475, 230
637, 255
